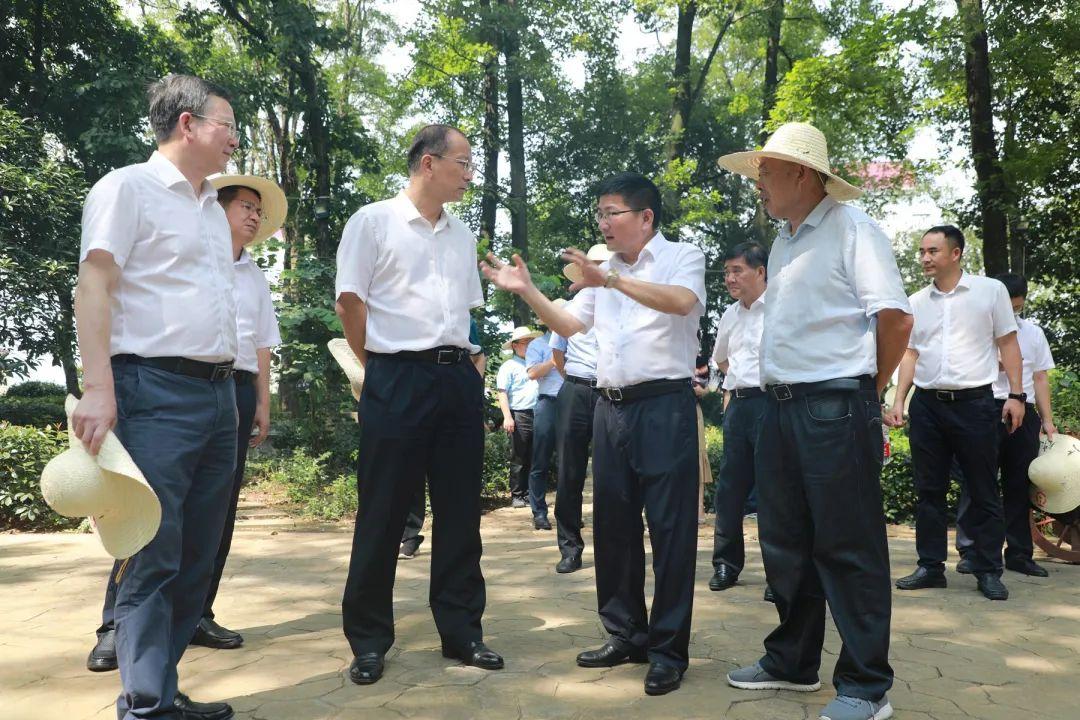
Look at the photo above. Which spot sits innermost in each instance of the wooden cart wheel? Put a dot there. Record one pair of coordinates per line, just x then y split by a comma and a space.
1057, 538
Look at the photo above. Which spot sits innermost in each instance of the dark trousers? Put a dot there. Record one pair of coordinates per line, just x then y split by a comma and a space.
545, 416
521, 441
735, 481
1015, 453
181, 432
245, 410
575, 406
414, 521
645, 455
818, 466
417, 419
968, 430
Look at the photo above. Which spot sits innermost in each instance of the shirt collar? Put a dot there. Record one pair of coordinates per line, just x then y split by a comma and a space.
409, 213
813, 219
171, 177
963, 282
760, 302
244, 258
654, 249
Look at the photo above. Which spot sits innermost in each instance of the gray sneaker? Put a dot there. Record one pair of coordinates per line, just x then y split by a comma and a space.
518, 503
753, 677
851, 708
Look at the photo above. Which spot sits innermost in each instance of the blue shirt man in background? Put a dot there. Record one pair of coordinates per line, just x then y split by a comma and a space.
541, 367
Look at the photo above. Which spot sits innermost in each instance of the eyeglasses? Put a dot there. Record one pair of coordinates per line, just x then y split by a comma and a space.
468, 165
252, 208
602, 215
234, 129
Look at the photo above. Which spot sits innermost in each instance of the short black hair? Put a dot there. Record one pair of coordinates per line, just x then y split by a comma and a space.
226, 194
429, 140
753, 253
1015, 284
638, 191
173, 95
952, 234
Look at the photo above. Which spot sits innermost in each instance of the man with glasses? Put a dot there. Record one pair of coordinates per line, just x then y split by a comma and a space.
406, 279
651, 294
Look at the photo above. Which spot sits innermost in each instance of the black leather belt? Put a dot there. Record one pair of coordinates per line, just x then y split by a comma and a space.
787, 391
243, 377
650, 388
214, 372
581, 381
750, 392
954, 395
443, 355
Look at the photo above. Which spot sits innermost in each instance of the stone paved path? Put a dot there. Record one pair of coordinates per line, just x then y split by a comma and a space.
956, 655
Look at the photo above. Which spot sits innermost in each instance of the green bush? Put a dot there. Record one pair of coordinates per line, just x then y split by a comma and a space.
37, 389
714, 446
496, 475
1065, 399
898, 483
23, 453
37, 412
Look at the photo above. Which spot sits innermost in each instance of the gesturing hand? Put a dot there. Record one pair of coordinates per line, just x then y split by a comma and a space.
513, 277
591, 274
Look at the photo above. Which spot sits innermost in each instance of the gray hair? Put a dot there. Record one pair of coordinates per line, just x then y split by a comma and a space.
174, 95
429, 140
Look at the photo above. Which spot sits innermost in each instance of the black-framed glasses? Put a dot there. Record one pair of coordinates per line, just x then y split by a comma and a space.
234, 129
602, 215
468, 165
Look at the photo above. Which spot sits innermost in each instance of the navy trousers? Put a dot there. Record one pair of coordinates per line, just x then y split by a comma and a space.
545, 416
735, 481
576, 405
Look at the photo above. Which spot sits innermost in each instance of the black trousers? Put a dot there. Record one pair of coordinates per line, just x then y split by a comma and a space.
521, 442
245, 410
818, 467
414, 521
417, 420
1015, 453
575, 407
968, 430
645, 456
735, 481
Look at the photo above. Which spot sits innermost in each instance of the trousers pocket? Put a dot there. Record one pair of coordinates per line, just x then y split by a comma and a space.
828, 407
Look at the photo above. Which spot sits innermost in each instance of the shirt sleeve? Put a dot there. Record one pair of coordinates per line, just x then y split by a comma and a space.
1002, 312
356, 257
583, 306
537, 352
476, 292
557, 342
689, 271
267, 334
110, 218
1044, 359
502, 380
873, 271
723, 333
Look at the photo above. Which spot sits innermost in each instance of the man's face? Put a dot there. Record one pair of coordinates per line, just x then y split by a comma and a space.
778, 185
936, 254
1018, 305
213, 135
624, 227
244, 212
452, 171
519, 347
741, 279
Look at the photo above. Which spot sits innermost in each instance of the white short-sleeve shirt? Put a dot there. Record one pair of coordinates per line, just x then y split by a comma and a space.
955, 333
256, 326
738, 341
1037, 358
580, 351
174, 297
636, 343
417, 281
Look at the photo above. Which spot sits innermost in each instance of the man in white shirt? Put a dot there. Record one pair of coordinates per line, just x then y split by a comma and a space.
1018, 449
736, 351
836, 324
651, 294
963, 323
517, 400
406, 280
156, 320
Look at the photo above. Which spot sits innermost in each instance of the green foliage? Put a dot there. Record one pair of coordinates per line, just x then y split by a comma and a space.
714, 447
1065, 399
37, 389
39, 412
24, 451
898, 485
496, 478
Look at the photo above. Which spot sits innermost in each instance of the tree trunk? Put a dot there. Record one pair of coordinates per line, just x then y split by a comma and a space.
64, 352
490, 137
774, 23
681, 103
518, 205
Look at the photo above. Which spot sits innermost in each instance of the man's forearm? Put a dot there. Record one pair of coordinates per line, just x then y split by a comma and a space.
93, 324
1042, 396
1012, 362
263, 386
893, 332
504, 405
670, 299
557, 319
906, 376
352, 311
540, 370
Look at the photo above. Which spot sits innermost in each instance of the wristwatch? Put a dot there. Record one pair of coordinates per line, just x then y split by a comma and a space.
611, 277
1022, 397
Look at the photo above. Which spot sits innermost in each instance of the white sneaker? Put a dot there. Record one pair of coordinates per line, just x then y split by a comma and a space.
845, 707
753, 677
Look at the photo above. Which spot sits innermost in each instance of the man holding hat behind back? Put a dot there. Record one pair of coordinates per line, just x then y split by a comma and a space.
836, 325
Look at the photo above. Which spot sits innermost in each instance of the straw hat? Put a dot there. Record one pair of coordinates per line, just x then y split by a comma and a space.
798, 143
597, 253
274, 205
521, 333
108, 488
559, 302
1055, 475
348, 361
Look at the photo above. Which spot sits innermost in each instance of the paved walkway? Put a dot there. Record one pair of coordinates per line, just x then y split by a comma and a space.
956, 655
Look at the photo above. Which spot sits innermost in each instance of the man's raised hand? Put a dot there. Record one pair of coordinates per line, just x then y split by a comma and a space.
513, 277
591, 274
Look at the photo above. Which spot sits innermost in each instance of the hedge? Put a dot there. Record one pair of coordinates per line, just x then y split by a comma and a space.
23, 453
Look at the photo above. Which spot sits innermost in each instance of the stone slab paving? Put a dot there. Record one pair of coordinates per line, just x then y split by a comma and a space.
956, 655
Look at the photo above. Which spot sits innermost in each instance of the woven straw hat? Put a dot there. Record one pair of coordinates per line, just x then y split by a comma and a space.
597, 253
348, 361
274, 205
521, 333
1055, 475
798, 143
110, 489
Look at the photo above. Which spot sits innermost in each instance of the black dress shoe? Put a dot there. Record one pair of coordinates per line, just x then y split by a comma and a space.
662, 679
964, 567
366, 668
921, 578
209, 634
1026, 566
610, 655
541, 523
723, 578
476, 654
103, 657
569, 564
991, 587
769, 595
188, 709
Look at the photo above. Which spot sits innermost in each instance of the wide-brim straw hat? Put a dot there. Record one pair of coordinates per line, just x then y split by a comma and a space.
274, 204
1055, 475
597, 253
346, 358
108, 488
798, 143
521, 332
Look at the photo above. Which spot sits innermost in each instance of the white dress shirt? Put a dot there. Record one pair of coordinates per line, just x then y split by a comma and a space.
738, 342
1037, 358
827, 282
580, 351
954, 333
256, 326
636, 343
174, 297
418, 282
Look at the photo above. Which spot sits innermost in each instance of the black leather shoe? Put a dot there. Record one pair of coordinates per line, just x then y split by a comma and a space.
541, 523
209, 634
662, 679
188, 709
769, 596
921, 578
723, 578
476, 654
991, 587
569, 564
964, 567
1026, 566
103, 657
366, 668
610, 655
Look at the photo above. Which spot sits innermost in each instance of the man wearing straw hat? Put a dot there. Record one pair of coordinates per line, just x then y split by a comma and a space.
540, 364
156, 319
836, 325
517, 400
406, 280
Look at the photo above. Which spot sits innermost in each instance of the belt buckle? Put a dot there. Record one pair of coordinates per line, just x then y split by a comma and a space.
592, 383
221, 373
613, 394
446, 356
781, 392
945, 395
